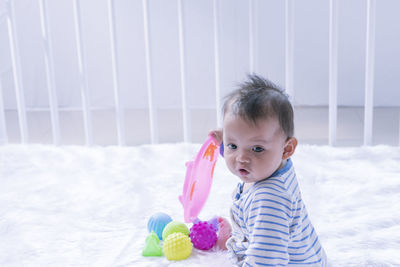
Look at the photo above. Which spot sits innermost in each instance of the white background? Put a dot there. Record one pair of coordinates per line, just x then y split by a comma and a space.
310, 51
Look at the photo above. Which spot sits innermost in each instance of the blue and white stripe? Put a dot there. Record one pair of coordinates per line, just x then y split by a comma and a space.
271, 225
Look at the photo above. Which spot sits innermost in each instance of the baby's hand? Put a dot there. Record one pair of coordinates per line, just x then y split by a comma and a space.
217, 135
224, 232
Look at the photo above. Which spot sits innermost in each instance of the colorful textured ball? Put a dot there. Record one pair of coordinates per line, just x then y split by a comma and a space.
175, 227
157, 223
203, 235
177, 246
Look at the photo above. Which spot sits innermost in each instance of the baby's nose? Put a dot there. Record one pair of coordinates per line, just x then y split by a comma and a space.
242, 158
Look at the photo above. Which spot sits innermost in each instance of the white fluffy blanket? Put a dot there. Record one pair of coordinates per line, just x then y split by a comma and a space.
79, 206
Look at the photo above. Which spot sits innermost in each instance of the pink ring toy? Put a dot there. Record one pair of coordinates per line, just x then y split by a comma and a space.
199, 174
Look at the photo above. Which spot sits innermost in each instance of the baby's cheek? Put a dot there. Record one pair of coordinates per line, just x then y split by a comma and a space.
230, 162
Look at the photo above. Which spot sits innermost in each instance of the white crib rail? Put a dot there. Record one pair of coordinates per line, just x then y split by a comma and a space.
3, 132
252, 35
120, 118
217, 60
49, 68
289, 41
154, 134
87, 116
185, 105
369, 73
333, 70
17, 75
152, 107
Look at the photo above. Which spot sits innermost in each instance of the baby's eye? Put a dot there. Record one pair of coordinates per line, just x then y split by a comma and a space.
231, 146
257, 149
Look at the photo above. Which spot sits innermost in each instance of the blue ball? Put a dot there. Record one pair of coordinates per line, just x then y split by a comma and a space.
157, 223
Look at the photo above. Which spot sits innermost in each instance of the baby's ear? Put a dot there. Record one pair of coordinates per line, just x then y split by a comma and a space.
289, 148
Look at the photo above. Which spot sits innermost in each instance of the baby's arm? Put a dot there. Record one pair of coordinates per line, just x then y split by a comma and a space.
268, 219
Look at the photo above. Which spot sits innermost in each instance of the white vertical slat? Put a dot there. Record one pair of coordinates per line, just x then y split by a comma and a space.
3, 125
289, 44
87, 118
16, 67
333, 70
185, 106
217, 60
119, 111
251, 35
369, 72
152, 109
49, 67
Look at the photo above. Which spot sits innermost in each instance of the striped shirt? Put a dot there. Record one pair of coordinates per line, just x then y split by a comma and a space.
271, 225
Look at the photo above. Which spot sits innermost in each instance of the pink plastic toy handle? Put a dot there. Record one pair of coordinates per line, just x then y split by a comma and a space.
199, 174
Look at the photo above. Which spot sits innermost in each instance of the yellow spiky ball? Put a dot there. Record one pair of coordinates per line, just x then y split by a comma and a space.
177, 246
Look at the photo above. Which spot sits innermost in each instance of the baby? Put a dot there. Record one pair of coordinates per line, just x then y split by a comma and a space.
270, 222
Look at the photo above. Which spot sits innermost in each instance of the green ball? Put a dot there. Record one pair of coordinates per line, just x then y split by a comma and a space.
175, 227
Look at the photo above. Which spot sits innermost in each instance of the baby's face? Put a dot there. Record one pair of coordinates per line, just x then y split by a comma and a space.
253, 151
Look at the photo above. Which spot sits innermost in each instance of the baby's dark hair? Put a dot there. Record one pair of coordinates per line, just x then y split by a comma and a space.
258, 98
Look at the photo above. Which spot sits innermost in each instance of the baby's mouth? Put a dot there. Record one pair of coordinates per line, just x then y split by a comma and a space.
243, 172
